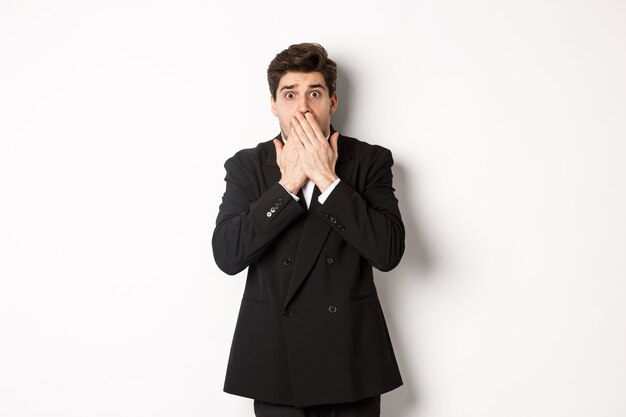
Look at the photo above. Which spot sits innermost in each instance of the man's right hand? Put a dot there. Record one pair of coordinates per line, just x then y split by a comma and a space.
288, 160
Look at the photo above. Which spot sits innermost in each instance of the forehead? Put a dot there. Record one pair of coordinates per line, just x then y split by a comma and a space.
302, 79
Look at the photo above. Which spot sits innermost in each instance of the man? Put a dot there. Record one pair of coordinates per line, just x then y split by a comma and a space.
309, 213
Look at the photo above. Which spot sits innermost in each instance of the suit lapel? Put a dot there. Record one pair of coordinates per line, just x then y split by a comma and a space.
270, 167
302, 200
312, 238
295, 231
316, 230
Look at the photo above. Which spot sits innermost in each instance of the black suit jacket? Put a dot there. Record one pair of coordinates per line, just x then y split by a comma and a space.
310, 328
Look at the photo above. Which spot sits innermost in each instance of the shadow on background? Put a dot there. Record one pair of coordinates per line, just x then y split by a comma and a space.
344, 90
417, 263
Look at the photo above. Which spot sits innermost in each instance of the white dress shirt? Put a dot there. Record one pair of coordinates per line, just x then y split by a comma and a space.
307, 189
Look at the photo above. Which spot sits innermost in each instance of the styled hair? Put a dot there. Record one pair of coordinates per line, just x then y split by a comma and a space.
302, 57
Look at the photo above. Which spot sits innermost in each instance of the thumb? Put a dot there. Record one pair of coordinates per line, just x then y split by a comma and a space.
333, 142
279, 147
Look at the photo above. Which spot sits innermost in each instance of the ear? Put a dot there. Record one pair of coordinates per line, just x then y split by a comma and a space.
273, 104
334, 101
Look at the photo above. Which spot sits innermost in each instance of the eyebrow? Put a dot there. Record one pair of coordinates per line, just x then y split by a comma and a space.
289, 87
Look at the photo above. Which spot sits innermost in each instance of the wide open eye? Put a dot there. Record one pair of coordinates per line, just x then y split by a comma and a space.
315, 94
290, 95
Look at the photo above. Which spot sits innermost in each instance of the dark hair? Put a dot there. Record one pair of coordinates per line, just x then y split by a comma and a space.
302, 57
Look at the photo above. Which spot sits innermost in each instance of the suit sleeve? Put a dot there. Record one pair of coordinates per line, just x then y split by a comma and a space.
247, 222
370, 222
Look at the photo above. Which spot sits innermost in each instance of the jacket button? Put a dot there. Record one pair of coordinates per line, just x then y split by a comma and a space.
330, 260
332, 309
287, 313
333, 220
280, 201
341, 227
276, 205
272, 209
287, 261
268, 214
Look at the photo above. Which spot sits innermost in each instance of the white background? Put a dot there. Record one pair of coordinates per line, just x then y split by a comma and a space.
507, 122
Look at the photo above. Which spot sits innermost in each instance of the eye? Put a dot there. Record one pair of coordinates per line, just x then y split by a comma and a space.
289, 95
315, 94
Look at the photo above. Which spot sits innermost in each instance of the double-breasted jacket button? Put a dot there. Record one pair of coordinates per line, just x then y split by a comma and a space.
272, 209
287, 313
330, 260
332, 309
268, 214
287, 261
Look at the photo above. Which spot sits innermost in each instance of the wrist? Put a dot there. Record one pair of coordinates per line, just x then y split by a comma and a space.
325, 181
290, 186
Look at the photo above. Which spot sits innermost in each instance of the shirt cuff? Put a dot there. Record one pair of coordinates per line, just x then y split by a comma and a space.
323, 196
293, 195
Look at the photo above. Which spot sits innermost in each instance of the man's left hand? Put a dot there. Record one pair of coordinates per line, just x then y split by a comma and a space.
318, 155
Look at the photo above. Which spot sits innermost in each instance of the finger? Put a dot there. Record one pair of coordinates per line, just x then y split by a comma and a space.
279, 148
315, 126
334, 138
305, 122
301, 133
296, 142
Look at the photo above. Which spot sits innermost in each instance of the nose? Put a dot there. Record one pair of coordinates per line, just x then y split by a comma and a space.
303, 105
